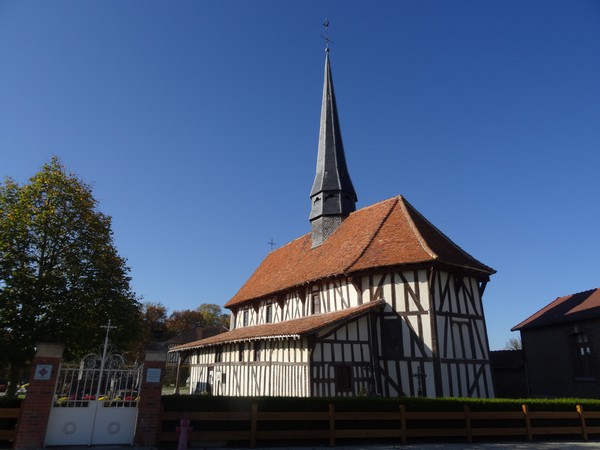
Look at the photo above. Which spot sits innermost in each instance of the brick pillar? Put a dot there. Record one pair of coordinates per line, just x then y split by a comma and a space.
148, 421
35, 409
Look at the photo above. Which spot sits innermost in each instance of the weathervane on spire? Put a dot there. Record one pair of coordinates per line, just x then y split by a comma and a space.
326, 37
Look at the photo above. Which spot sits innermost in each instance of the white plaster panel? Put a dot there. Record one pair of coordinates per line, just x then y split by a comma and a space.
400, 297
337, 350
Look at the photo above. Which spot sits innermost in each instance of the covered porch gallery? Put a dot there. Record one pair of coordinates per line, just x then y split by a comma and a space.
320, 355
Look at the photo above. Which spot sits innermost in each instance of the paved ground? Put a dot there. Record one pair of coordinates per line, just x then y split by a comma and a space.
461, 446
485, 446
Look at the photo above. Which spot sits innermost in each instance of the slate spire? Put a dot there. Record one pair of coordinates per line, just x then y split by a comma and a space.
332, 196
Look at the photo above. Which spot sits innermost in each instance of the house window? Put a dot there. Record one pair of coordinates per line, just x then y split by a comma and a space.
245, 318
240, 352
257, 349
316, 303
218, 353
269, 313
583, 356
343, 377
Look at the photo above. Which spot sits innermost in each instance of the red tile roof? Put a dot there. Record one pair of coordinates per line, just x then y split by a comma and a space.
388, 233
291, 329
581, 306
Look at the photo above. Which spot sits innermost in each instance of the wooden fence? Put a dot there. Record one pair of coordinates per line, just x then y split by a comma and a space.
8, 421
331, 425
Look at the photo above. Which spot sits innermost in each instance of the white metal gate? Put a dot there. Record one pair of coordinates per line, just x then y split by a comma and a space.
95, 403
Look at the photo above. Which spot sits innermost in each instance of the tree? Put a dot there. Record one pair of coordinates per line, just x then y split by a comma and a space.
513, 344
212, 315
61, 277
154, 316
205, 315
180, 321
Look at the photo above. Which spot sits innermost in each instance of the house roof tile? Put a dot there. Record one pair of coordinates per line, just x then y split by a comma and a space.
388, 233
290, 329
570, 308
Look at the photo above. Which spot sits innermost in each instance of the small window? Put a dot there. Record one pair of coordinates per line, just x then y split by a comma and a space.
257, 350
343, 377
240, 352
223, 378
583, 356
316, 303
245, 317
218, 353
269, 314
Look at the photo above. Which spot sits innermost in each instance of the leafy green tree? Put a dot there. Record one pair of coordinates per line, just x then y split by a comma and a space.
61, 277
213, 315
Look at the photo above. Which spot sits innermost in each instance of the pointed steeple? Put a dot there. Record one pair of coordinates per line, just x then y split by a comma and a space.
332, 196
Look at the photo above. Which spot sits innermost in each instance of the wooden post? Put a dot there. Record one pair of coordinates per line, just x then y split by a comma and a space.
403, 439
584, 434
253, 421
468, 423
527, 423
177, 373
331, 425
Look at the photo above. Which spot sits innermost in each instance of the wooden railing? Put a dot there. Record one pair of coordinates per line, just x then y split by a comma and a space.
8, 433
254, 425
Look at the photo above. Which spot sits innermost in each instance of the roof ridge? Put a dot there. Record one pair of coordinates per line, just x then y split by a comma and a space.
376, 232
577, 293
416, 231
444, 235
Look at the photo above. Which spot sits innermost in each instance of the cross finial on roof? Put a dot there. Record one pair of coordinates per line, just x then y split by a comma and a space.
271, 244
326, 37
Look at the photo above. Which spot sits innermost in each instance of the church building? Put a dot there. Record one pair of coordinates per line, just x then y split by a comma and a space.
375, 301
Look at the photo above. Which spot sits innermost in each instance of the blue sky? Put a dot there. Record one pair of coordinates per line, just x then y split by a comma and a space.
196, 123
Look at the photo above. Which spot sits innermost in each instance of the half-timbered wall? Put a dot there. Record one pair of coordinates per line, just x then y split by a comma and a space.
269, 368
463, 348
429, 341
331, 295
432, 334
342, 363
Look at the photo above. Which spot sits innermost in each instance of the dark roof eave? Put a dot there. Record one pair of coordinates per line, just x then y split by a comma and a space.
560, 321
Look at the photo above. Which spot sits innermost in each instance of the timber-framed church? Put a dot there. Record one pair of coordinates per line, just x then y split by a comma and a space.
373, 301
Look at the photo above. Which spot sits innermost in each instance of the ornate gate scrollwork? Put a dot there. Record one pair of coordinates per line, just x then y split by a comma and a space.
95, 400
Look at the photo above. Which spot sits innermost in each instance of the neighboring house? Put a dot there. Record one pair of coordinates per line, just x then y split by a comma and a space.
375, 302
561, 343
510, 378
